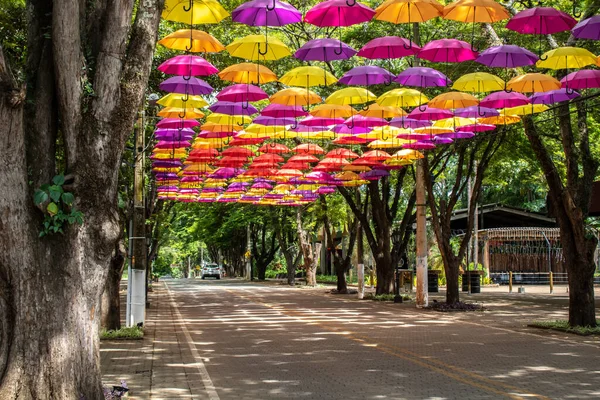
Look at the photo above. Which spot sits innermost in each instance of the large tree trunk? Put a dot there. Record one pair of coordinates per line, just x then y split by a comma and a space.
111, 298
340, 271
385, 273
452, 288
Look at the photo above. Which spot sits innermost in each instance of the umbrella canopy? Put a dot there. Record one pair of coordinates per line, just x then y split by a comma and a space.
566, 58
478, 82
422, 77
532, 83
266, 13
338, 13
177, 123
388, 47
402, 98
541, 21
588, 28
484, 11
320, 121
406, 122
295, 97
448, 51
242, 92
225, 119
408, 11
333, 111
274, 148
192, 40
258, 47
327, 49
191, 85
553, 96
429, 114
507, 56
583, 79
341, 153
350, 95
367, 75
283, 111
247, 73
180, 112
362, 121
233, 108
476, 112
453, 100
308, 148
308, 76
503, 99
182, 101
187, 65
274, 121
194, 12
375, 110
524, 110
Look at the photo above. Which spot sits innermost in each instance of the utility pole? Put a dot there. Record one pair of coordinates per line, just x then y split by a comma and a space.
136, 293
360, 262
421, 234
248, 274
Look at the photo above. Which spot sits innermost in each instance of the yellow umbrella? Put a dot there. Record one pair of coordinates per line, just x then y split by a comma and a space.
453, 100
179, 112
484, 11
169, 153
182, 101
393, 143
282, 188
213, 143
408, 11
500, 120
264, 130
258, 47
333, 111
194, 12
454, 122
525, 110
407, 154
192, 40
350, 95
478, 82
308, 76
377, 111
247, 73
226, 127
433, 130
320, 135
566, 58
224, 119
401, 98
533, 83
295, 97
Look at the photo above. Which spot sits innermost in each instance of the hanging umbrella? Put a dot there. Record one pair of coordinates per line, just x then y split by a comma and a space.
333, 111
274, 121
177, 123
194, 12
566, 58
283, 111
391, 143
308, 148
422, 77
179, 84
524, 110
224, 119
247, 73
266, 13
180, 112
479, 82
402, 98
182, 101
367, 75
476, 128
588, 28
375, 110
258, 47
429, 114
232, 108
295, 97
453, 100
582, 79
507, 56
388, 47
350, 95
408, 12
320, 121
242, 93
325, 50
532, 83
343, 129
541, 21
476, 112
274, 148
192, 40
455, 122
447, 51
553, 96
503, 99
308, 76
338, 13
362, 121
406, 122
187, 65
475, 11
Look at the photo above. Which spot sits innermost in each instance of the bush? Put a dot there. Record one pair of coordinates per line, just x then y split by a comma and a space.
133, 333
386, 297
563, 326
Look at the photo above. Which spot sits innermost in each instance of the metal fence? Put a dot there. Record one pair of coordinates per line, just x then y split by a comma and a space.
532, 278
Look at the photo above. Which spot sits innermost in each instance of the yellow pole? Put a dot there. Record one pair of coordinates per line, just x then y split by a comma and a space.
551, 282
510, 282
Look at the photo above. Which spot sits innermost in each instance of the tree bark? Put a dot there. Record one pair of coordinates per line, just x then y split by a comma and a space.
111, 299
309, 251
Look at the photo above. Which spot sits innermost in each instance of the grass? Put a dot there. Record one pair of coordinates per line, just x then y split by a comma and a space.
563, 326
386, 297
131, 333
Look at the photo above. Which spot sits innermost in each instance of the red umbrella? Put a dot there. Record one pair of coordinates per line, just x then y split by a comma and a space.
303, 158
341, 153
237, 151
308, 148
275, 148
268, 158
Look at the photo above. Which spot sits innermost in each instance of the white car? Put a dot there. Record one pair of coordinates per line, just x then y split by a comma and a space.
211, 270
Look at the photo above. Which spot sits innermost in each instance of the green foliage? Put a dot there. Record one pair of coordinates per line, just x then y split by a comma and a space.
563, 326
132, 333
386, 297
59, 210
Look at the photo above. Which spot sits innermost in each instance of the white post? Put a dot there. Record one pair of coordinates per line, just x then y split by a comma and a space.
421, 238
248, 275
360, 273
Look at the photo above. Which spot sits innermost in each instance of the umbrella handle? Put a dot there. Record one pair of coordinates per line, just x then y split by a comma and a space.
388, 82
351, 4
266, 49
568, 90
271, 8
188, 48
245, 105
506, 88
186, 98
422, 107
364, 108
341, 50
189, 6
410, 46
240, 124
575, 13
479, 112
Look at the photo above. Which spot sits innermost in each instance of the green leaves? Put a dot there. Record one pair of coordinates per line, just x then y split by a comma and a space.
58, 180
60, 210
55, 192
40, 197
68, 198
52, 209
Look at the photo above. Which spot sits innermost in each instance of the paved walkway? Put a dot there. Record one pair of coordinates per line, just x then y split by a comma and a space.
234, 340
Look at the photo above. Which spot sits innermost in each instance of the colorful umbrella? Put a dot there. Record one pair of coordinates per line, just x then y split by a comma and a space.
507, 56
402, 98
566, 58
583, 79
308, 76
242, 93
367, 75
266, 13
553, 96
258, 47
422, 77
192, 40
194, 12
533, 83
177, 123
248, 73
375, 110
503, 99
232, 108
472, 11
479, 82
388, 47
406, 122
447, 51
453, 100
295, 97
191, 85
588, 28
327, 49
333, 111
350, 95
338, 13
429, 114
476, 112
182, 101
282, 111
408, 12
187, 65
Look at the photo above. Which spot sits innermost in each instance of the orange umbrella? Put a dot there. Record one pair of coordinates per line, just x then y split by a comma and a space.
308, 148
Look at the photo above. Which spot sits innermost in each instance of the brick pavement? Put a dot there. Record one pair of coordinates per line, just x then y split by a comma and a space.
258, 341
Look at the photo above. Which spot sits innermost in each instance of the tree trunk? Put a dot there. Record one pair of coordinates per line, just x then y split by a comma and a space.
581, 290
111, 299
340, 271
385, 273
452, 288
261, 270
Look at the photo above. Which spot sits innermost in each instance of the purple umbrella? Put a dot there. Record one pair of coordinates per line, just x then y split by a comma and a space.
281, 110
366, 122
173, 131
507, 56
181, 84
167, 164
374, 175
461, 134
430, 114
345, 129
422, 77
272, 121
172, 145
553, 96
319, 121
174, 136
367, 75
266, 13
232, 108
582, 79
503, 99
475, 128
187, 65
388, 47
324, 50
476, 112
404, 123
421, 145
242, 93
226, 173
588, 28
441, 140
177, 123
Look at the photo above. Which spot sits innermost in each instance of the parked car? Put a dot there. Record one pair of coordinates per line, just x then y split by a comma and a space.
211, 270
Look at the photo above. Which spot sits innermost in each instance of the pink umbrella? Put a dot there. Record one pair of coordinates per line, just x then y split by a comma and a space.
582, 79
242, 93
187, 65
177, 123
429, 114
476, 128
366, 122
503, 99
319, 121
461, 134
388, 47
419, 146
447, 51
338, 13
280, 110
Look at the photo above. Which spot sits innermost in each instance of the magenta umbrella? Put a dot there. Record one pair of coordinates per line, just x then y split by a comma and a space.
476, 112
588, 28
541, 21
388, 47
242, 92
462, 134
280, 110
366, 122
582, 79
328, 49
187, 65
319, 121
503, 99
447, 51
476, 128
414, 136
338, 13
232, 108
183, 85
554, 96
273, 121
421, 145
355, 130
367, 75
429, 114
405, 123
177, 123
422, 77
226, 173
